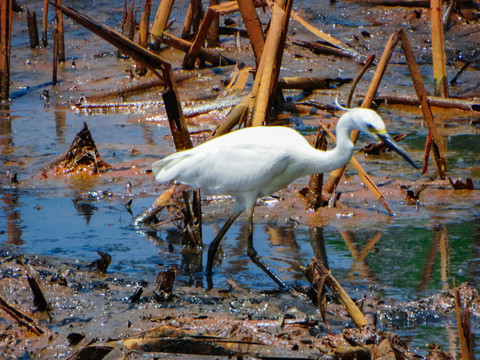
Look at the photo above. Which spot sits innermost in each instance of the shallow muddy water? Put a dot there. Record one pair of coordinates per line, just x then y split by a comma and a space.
424, 249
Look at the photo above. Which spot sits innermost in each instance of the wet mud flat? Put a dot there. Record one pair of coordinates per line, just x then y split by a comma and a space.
50, 218
106, 315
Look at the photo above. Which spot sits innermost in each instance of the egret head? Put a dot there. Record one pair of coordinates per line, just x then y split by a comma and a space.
370, 123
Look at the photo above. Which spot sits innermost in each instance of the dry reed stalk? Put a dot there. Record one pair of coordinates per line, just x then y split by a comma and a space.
5, 39
161, 18
45, 23
438, 49
60, 35
254, 29
265, 74
32, 29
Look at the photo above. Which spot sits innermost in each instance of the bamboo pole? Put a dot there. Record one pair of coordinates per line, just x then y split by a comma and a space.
266, 68
254, 29
438, 49
5, 38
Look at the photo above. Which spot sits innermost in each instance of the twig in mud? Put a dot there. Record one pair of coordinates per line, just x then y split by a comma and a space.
20, 317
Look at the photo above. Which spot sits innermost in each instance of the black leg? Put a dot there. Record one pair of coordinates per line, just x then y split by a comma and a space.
212, 249
256, 259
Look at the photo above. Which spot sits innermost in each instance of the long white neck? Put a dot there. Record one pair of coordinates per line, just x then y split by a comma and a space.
326, 161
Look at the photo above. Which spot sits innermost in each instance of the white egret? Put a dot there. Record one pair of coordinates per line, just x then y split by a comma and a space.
258, 161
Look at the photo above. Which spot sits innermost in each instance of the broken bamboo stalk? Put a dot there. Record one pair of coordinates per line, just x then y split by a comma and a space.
55, 55
32, 29
266, 68
161, 19
5, 39
440, 83
254, 29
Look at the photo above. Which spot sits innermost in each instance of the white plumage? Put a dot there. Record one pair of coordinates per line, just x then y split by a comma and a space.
258, 161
